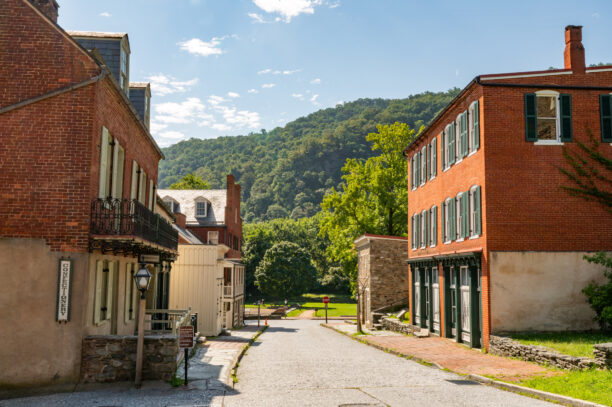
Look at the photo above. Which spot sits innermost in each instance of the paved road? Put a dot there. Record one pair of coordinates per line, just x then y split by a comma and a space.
300, 363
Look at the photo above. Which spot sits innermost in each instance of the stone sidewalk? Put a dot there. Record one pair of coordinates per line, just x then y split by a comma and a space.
448, 354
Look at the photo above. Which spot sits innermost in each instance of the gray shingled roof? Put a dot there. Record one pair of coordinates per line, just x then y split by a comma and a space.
186, 199
96, 34
187, 235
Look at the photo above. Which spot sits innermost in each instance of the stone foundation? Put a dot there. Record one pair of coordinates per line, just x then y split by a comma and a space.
112, 358
603, 355
504, 346
396, 325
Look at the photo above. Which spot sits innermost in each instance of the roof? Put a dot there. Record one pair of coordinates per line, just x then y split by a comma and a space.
186, 199
187, 235
96, 34
139, 84
366, 237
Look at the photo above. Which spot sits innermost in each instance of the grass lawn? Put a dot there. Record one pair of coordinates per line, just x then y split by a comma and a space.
568, 343
295, 312
333, 309
592, 385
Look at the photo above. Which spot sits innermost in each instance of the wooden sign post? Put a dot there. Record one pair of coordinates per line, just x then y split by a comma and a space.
186, 341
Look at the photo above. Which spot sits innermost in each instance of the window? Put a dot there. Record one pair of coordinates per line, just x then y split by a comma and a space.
548, 117
605, 109
458, 156
417, 168
213, 237
463, 219
448, 220
112, 159
172, 205
124, 81
201, 209
459, 217
474, 126
433, 225
463, 135
423, 161
433, 157
103, 296
131, 293
475, 216
451, 153
151, 195
443, 150
413, 229
423, 229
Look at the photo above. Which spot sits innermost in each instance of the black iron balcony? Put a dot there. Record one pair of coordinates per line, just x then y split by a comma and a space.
129, 218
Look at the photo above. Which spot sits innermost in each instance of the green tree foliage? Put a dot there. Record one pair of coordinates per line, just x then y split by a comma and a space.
294, 166
261, 236
600, 295
372, 198
285, 271
190, 181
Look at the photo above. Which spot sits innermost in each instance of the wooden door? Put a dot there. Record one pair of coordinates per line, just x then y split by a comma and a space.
465, 304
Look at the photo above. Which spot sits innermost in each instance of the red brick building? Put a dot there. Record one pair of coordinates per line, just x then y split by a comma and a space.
78, 169
496, 244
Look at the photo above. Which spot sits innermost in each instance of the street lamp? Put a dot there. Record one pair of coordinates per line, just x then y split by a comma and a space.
142, 278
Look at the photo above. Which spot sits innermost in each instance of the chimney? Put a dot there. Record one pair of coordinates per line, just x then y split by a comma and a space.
180, 219
48, 7
573, 55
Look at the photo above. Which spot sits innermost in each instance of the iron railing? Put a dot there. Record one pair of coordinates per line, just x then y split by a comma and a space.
125, 217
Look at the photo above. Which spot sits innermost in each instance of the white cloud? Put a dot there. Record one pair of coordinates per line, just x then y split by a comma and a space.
595, 15
257, 18
290, 72
298, 96
316, 81
105, 14
339, 103
313, 99
198, 47
268, 85
173, 135
334, 5
278, 71
288, 8
214, 100
163, 85
233, 94
253, 91
221, 127
264, 71
456, 72
178, 113
157, 127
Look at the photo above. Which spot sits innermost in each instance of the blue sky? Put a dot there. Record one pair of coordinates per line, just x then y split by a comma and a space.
229, 67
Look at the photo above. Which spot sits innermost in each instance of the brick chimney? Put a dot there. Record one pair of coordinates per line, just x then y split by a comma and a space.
48, 7
180, 219
573, 56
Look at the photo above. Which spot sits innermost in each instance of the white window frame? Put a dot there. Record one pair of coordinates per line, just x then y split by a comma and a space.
201, 201
413, 172
557, 96
471, 149
413, 222
433, 170
458, 220
458, 157
446, 238
423, 230
212, 235
423, 169
124, 76
473, 213
433, 240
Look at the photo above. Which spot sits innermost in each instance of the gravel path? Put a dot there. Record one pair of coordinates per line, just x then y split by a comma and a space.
300, 363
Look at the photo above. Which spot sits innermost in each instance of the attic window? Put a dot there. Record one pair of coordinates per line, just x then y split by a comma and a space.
172, 205
124, 71
201, 209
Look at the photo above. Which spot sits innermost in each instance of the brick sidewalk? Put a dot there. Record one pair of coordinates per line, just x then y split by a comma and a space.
451, 355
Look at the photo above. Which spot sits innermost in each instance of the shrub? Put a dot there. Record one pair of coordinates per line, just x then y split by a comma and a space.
599, 296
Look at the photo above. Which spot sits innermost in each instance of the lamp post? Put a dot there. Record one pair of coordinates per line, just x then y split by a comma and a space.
142, 279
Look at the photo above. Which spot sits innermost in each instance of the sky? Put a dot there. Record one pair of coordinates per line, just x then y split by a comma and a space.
231, 67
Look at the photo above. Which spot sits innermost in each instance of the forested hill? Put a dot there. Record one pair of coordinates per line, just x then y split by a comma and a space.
286, 172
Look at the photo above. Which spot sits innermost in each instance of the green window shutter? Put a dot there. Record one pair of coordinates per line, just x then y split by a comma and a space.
443, 222
605, 110
442, 144
104, 164
451, 144
464, 135
478, 217
418, 230
466, 214
411, 172
451, 220
476, 128
426, 227
565, 101
412, 231
434, 237
418, 169
434, 157
531, 117
428, 165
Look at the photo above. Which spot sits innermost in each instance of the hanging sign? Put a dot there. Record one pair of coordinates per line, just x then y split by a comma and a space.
149, 258
64, 283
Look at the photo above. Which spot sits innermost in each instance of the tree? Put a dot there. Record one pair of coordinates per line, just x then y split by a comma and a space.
285, 271
372, 198
600, 295
190, 181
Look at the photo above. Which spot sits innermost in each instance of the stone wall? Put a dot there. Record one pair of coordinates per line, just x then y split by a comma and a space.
504, 346
603, 354
396, 325
388, 271
112, 358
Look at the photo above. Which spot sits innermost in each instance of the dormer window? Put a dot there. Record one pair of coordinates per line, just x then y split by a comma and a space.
123, 81
201, 208
172, 205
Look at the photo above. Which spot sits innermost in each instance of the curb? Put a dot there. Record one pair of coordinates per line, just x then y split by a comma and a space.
232, 370
539, 394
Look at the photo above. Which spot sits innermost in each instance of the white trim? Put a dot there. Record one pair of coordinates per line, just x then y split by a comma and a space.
472, 153
474, 237
592, 70
459, 240
548, 143
526, 75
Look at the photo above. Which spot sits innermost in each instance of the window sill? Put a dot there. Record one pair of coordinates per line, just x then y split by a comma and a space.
472, 153
548, 143
458, 161
445, 169
459, 240
449, 242
474, 237
432, 178
432, 246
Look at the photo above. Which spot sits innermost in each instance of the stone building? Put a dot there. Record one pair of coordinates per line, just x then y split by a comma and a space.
78, 169
381, 278
496, 243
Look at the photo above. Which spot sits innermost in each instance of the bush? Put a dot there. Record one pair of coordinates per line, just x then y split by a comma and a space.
600, 296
